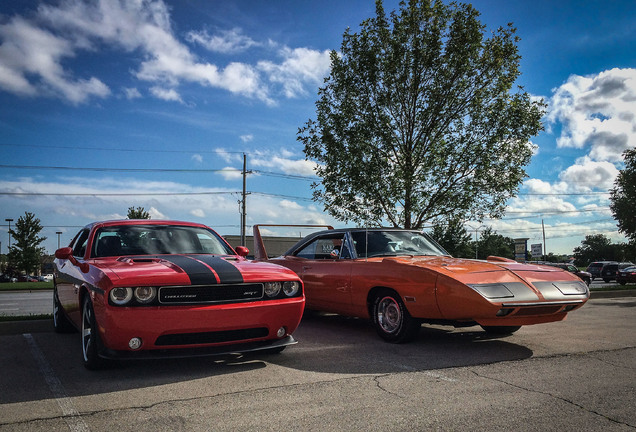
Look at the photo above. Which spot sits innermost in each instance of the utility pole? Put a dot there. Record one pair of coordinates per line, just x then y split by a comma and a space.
244, 195
9, 220
476, 231
545, 249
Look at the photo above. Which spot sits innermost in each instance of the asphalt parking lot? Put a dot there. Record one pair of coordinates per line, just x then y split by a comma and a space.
573, 375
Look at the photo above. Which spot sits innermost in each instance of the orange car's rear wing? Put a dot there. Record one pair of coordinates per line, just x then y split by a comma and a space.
260, 253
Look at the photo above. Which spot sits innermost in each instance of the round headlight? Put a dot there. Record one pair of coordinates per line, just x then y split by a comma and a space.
145, 294
120, 295
290, 288
272, 288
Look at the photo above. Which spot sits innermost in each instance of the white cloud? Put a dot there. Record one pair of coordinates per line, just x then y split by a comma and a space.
597, 112
197, 158
156, 214
226, 41
30, 64
166, 94
286, 165
132, 93
32, 51
230, 173
587, 175
229, 156
197, 213
299, 66
246, 138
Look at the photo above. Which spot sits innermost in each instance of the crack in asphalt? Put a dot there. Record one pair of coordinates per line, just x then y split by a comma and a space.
557, 397
375, 378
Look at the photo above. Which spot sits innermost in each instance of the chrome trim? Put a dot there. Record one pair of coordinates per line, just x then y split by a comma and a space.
554, 303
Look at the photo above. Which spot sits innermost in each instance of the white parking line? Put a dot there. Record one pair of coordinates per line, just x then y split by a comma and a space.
71, 416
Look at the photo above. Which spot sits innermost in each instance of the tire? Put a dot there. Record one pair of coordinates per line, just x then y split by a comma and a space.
606, 280
501, 330
622, 282
91, 342
392, 320
61, 323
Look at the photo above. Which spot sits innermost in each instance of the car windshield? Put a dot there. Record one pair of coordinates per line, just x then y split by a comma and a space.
156, 240
393, 243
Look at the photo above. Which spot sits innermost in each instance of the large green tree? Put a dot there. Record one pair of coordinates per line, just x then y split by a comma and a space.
597, 247
492, 244
453, 237
137, 213
623, 197
25, 251
417, 120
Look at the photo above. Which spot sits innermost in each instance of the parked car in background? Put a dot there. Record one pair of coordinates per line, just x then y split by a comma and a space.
626, 275
595, 268
7, 278
150, 288
610, 270
585, 276
401, 279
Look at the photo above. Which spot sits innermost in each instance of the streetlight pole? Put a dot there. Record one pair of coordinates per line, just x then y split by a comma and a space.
476, 231
58, 238
9, 220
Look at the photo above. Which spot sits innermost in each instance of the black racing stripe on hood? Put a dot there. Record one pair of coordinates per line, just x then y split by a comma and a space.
199, 273
227, 272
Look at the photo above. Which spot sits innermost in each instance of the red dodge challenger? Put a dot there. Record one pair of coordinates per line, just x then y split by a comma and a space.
401, 279
147, 288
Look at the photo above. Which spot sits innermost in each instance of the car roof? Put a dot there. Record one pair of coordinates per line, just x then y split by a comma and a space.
119, 222
313, 235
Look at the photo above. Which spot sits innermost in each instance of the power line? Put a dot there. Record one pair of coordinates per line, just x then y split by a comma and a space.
161, 170
98, 194
129, 150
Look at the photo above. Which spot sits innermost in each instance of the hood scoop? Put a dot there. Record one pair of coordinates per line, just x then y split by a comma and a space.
138, 260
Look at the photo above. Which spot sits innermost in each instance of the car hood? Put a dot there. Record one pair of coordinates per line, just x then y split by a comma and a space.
482, 271
190, 270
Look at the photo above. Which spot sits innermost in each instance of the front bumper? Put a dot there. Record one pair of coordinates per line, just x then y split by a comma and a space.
200, 352
235, 327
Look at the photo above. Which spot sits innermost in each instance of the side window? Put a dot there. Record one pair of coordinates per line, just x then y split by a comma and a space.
79, 248
323, 248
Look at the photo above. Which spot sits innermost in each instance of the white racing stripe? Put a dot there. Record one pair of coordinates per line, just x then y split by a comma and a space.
71, 416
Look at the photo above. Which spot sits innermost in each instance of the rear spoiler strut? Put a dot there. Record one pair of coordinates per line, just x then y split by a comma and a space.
260, 254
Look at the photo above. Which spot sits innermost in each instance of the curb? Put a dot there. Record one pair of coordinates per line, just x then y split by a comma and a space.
613, 293
26, 326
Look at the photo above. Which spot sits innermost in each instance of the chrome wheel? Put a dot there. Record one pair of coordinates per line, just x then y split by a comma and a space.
90, 337
61, 324
87, 330
392, 320
389, 315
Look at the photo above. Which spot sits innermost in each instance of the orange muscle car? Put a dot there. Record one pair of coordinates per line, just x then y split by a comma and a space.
401, 279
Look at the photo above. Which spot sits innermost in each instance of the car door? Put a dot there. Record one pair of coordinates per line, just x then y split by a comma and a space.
69, 276
324, 265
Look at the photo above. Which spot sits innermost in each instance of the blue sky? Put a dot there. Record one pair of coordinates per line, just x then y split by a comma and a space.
160, 99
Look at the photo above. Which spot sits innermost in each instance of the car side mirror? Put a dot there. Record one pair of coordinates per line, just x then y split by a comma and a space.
63, 253
67, 253
242, 251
